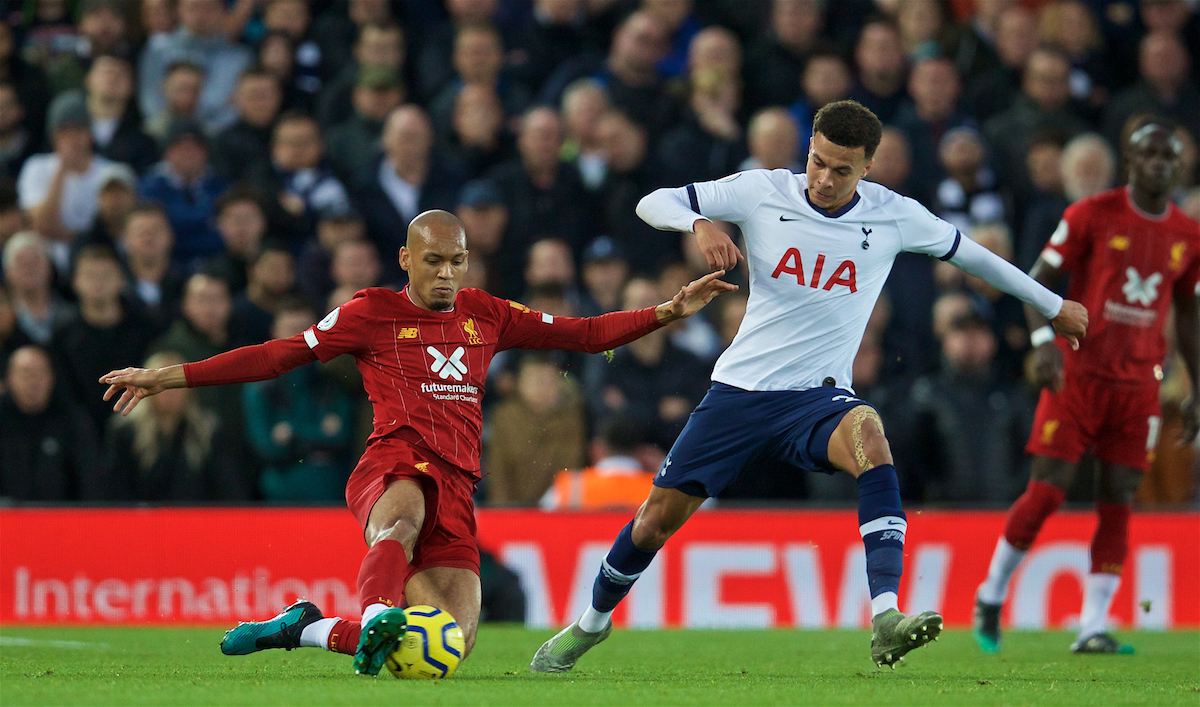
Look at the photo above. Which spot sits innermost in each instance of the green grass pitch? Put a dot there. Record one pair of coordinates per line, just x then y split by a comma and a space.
98, 666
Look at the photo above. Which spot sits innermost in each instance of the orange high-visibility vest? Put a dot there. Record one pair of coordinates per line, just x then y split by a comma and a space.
595, 490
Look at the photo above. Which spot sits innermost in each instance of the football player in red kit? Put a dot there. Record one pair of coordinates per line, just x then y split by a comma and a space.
1131, 255
424, 354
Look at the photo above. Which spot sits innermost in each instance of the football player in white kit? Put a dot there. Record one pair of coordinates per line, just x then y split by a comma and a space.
819, 246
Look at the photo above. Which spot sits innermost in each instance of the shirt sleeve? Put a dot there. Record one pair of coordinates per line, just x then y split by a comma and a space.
922, 232
33, 182
731, 198
1070, 241
340, 331
524, 328
249, 363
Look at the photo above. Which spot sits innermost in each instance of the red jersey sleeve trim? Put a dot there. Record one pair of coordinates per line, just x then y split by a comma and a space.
250, 363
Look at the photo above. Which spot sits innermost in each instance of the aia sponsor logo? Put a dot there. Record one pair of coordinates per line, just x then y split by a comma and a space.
845, 275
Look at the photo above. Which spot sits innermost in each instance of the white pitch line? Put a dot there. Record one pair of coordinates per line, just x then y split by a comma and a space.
16, 641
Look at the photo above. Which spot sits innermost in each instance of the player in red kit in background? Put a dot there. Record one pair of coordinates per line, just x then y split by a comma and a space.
1131, 254
424, 354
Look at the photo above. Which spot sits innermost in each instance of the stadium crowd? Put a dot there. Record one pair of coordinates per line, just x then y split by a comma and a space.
180, 177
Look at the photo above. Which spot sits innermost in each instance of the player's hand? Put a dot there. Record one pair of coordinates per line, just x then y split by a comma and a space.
716, 245
134, 384
1191, 420
1047, 367
692, 297
1071, 322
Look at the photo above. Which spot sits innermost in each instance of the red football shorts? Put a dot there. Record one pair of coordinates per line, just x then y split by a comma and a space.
1120, 422
448, 537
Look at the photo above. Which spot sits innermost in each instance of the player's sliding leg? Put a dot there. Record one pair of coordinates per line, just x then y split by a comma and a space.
453, 590
859, 447
392, 530
1115, 488
287, 630
664, 512
1045, 493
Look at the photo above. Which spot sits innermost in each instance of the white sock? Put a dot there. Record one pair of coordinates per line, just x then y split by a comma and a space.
1097, 598
594, 621
1005, 559
884, 602
371, 610
316, 634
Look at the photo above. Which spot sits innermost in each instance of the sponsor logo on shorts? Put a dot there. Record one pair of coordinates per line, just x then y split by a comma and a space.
422, 467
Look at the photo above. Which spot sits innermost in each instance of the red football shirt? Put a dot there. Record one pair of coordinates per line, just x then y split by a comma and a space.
1125, 266
426, 370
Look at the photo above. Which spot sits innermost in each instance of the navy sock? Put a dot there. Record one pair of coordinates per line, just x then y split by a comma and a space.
620, 569
882, 523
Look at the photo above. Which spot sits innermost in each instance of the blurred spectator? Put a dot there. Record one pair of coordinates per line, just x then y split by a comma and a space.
334, 228
356, 265
301, 424
1044, 103
1191, 204
545, 196
1088, 167
155, 282
271, 278
406, 181
922, 26
583, 103
882, 65
118, 194
969, 195
435, 62
12, 218
101, 335
1163, 88
650, 380
103, 30
973, 48
708, 143
48, 30
478, 139
715, 48
552, 262
292, 18
484, 217
628, 73
826, 79
188, 189
773, 141
353, 145
478, 60
158, 20
203, 330
116, 124
380, 45
172, 449
48, 448
934, 87
335, 30
605, 272
536, 431
994, 90
681, 26
33, 87
59, 189
615, 480
628, 178
1071, 25
1042, 204
242, 223
969, 425
200, 38
297, 182
892, 164
558, 31
29, 274
17, 143
246, 145
182, 86
277, 55
11, 335
775, 63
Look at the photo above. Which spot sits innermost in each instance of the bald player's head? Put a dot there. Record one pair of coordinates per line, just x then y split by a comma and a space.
435, 258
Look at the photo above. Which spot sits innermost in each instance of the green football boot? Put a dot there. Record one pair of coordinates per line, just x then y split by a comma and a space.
283, 631
1101, 643
379, 638
558, 655
895, 634
985, 626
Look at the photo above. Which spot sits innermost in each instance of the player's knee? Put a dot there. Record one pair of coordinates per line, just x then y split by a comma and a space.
1119, 485
1055, 472
402, 530
875, 446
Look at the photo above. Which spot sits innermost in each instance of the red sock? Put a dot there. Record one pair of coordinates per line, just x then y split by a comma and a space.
344, 637
1026, 516
381, 577
1110, 544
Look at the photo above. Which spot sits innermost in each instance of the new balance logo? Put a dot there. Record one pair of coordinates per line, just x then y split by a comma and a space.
1139, 291
451, 366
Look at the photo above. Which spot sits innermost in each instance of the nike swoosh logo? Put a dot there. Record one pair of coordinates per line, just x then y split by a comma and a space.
892, 522
781, 218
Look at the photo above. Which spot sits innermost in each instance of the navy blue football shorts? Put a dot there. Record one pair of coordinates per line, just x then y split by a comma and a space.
734, 429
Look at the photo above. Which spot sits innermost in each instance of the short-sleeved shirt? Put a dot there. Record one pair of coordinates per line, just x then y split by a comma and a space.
78, 207
814, 275
1126, 266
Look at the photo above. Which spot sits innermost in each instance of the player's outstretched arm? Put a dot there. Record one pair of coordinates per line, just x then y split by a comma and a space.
679, 210
1187, 337
693, 297
243, 365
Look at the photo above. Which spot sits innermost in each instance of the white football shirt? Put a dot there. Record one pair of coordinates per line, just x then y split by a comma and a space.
814, 275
